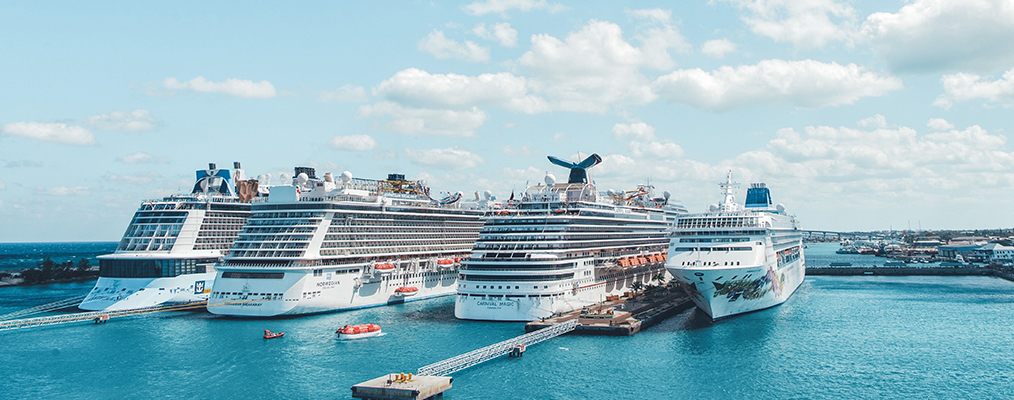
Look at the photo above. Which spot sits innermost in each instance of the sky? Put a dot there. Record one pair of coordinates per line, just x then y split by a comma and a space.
859, 115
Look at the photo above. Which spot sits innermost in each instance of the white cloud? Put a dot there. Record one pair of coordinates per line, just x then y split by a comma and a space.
944, 35
656, 149
64, 190
718, 48
353, 143
443, 48
56, 132
140, 178
347, 94
876, 121
643, 143
805, 83
502, 33
636, 130
421, 121
232, 87
450, 158
515, 151
143, 158
939, 124
418, 88
963, 87
807, 24
653, 14
134, 121
595, 68
23, 164
502, 6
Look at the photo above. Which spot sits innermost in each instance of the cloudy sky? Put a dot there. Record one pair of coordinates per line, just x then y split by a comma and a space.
858, 114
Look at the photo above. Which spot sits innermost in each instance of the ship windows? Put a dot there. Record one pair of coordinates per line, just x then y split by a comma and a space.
152, 268
253, 275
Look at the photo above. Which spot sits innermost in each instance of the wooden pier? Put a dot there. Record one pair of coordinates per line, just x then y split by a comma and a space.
623, 316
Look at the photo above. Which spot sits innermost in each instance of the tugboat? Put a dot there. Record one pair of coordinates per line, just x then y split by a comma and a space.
272, 335
349, 332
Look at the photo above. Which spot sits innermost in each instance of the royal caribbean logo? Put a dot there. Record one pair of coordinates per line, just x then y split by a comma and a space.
198, 287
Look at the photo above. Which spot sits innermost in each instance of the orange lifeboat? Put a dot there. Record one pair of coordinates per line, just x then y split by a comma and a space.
358, 331
445, 262
642, 260
457, 259
624, 262
651, 258
272, 335
383, 268
406, 291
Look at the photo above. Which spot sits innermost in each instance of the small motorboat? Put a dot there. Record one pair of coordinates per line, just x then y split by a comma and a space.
272, 335
358, 331
406, 291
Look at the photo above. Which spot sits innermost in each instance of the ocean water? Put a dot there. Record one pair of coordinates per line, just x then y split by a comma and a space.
28, 255
836, 337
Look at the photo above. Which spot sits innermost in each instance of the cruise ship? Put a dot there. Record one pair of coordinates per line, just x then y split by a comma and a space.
564, 246
738, 258
327, 244
168, 253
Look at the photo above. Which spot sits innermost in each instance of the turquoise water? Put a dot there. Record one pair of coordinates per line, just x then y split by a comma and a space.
866, 337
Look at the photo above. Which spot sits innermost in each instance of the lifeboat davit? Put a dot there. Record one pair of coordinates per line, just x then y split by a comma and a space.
272, 335
358, 331
406, 291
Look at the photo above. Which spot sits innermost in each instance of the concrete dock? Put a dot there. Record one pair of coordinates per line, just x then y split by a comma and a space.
623, 316
900, 271
402, 386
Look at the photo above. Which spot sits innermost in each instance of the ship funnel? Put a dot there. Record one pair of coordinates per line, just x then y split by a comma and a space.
578, 171
211, 166
235, 165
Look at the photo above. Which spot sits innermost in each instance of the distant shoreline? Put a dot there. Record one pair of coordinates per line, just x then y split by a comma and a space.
20, 282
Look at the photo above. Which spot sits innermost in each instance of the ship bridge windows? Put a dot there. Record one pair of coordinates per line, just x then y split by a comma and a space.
253, 275
152, 268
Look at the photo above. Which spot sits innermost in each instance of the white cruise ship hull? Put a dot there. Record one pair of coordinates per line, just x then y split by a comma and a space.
532, 307
128, 293
726, 291
303, 292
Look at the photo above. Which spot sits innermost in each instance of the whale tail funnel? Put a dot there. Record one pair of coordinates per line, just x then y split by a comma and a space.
578, 171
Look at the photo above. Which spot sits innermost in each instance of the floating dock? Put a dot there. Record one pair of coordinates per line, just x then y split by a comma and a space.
402, 386
623, 316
